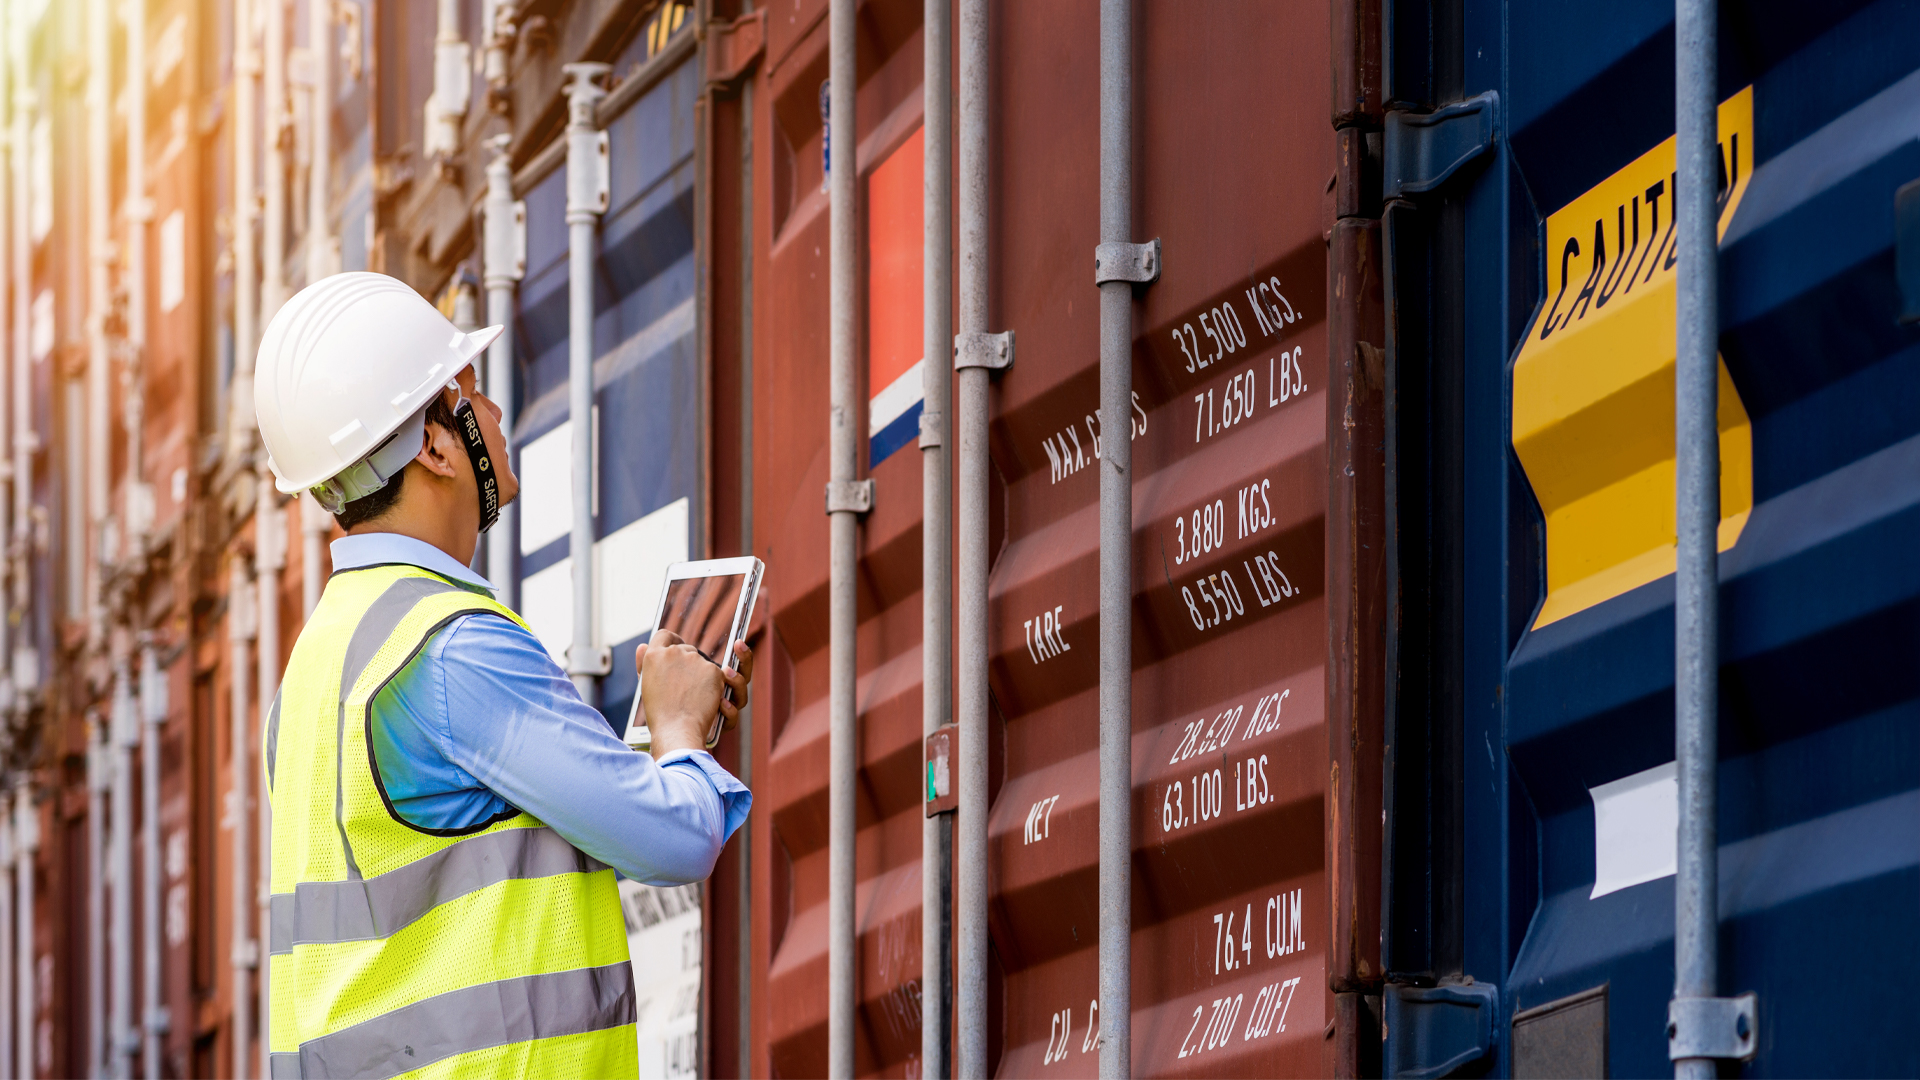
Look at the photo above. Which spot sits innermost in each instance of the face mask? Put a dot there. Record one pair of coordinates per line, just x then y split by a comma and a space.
468, 426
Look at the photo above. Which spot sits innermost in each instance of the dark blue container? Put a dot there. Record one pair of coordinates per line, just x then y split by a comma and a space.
1503, 729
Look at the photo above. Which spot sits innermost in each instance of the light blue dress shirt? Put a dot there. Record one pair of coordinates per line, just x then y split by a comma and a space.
482, 723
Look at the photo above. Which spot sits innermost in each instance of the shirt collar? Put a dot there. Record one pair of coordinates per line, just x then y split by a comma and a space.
382, 548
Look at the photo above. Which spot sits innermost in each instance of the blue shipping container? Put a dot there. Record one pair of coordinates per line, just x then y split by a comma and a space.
1529, 903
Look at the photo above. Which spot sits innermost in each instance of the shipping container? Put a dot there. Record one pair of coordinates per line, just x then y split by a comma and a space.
1529, 871
1235, 906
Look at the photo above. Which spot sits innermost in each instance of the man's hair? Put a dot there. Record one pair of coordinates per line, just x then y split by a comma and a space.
372, 507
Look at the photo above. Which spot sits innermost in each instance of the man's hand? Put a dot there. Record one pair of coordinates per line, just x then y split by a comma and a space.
681, 691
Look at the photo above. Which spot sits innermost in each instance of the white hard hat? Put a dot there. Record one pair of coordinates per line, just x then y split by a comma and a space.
348, 363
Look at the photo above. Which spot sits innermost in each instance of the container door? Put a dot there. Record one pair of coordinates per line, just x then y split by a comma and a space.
1552, 555
1231, 381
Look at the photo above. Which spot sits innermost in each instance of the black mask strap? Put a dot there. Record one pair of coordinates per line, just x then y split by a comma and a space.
483, 471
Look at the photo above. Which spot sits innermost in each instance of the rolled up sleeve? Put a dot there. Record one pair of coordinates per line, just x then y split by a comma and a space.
519, 727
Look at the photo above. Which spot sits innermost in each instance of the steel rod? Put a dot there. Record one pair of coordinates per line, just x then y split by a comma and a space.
500, 272
269, 556
1116, 548
1697, 511
153, 712
122, 734
239, 636
843, 661
99, 182
275, 121
26, 840
583, 217
23, 662
972, 556
96, 878
936, 537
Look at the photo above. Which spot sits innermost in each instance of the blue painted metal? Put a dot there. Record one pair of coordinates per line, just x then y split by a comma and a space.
1436, 1029
646, 368
1819, 716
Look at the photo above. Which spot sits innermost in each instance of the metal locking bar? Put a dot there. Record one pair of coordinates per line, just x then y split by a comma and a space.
1713, 1027
1136, 263
991, 351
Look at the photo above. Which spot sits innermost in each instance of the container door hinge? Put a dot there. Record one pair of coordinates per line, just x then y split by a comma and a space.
1906, 249
733, 46
991, 351
1136, 263
594, 660
849, 496
1423, 149
1433, 1030
1713, 1027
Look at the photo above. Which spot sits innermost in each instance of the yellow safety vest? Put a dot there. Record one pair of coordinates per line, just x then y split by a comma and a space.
494, 950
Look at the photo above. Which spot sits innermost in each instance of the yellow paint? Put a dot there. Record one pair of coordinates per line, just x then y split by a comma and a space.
1593, 385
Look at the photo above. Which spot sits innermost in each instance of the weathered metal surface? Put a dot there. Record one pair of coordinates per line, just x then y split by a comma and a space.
1233, 913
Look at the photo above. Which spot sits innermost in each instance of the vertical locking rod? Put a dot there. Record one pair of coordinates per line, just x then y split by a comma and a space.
1697, 494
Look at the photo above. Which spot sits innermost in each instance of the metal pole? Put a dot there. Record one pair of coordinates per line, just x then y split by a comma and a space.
843, 616
970, 680
744, 839
239, 634
97, 782
153, 713
99, 303
24, 662
322, 261
936, 537
502, 270
246, 282
1697, 511
26, 840
123, 735
315, 523
321, 250
586, 199
278, 130
6, 947
269, 556
1116, 548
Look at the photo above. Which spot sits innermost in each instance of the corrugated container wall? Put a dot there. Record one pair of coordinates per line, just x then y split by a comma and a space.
1235, 907
1534, 795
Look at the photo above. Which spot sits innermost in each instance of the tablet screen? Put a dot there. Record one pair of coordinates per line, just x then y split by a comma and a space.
701, 611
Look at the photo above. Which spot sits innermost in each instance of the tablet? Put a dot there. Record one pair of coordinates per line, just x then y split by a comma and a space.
709, 604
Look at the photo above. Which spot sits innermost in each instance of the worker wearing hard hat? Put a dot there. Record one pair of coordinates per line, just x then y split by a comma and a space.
448, 815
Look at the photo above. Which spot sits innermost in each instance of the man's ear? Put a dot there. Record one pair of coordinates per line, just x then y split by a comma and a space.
436, 451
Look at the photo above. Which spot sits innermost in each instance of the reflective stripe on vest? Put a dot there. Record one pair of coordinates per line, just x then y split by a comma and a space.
496, 949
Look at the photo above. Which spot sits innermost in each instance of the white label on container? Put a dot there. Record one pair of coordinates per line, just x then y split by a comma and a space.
1636, 826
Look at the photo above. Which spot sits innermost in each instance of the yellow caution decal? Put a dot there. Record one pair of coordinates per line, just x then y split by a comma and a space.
1593, 403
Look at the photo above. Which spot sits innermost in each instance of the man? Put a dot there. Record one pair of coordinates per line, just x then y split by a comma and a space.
448, 816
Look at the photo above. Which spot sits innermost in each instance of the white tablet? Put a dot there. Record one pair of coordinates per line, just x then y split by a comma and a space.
709, 604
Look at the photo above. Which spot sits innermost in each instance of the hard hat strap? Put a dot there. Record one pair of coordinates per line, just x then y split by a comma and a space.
487, 478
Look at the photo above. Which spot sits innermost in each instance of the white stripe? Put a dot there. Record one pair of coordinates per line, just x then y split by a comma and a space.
900, 395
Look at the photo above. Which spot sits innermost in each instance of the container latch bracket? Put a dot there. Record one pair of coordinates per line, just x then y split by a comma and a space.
1726, 1028
1423, 149
977, 350
849, 496
1433, 1030
594, 660
1135, 263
